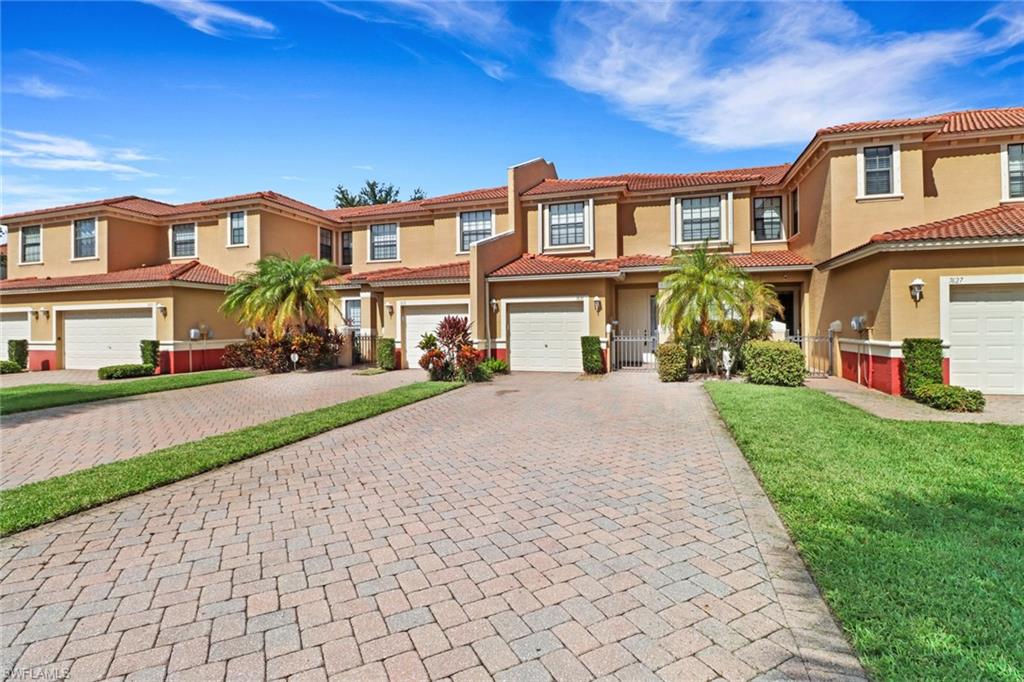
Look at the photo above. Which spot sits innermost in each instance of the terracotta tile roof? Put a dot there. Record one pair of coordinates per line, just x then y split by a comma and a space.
448, 271
532, 264
645, 182
972, 120
485, 194
189, 271
160, 209
760, 259
1002, 221
642, 260
404, 207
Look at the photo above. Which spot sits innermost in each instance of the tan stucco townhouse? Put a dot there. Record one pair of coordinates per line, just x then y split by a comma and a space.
876, 232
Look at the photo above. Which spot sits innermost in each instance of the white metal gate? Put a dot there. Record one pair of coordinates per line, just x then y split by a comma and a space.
817, 353
634, 350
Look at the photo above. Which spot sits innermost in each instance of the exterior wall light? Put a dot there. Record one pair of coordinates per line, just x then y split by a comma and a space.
494, 305
162, 309
597, 304
390, 307
917, 290
44, 311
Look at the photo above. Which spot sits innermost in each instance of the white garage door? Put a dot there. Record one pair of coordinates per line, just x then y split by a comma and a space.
418, 320
986, 337
12, 326
96, 338
545, 337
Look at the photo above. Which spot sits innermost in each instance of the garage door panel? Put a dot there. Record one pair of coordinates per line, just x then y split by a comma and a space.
12, 326
546, 336
96, 338
986, 329
418, 320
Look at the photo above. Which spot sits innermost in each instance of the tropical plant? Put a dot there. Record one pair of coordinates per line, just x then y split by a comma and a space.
282, 292
701, 287
495, 365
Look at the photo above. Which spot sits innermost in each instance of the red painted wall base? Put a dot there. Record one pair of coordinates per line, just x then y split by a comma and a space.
42, 360
179, 361
882, 374
500, 353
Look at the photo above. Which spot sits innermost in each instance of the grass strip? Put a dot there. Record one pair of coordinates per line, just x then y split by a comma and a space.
372, 371
913, 530
36, 503
41, 396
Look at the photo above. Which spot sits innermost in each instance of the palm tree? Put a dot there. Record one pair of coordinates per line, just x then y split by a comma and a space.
756, 300
280, 292
700, 289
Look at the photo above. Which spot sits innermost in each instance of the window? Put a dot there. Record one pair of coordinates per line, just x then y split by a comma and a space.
346, 248
794, 206
353, 313
236, 230
700, 218
384, 241
183, 240
473, 226
566, 224
32, 244
327, 245
85, 238
1015, 171
878, 170
767, 218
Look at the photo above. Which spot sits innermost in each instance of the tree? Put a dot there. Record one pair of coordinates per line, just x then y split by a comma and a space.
700, 290
756, 300
281, 292
371, 193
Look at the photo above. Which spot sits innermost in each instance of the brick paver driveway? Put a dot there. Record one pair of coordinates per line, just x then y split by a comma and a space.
46, 443
536, 527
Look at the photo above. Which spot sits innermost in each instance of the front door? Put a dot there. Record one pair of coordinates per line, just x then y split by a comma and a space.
790, 315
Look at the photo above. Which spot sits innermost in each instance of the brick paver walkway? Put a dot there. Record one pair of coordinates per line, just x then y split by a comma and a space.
538, 527
1000, 409
45, 443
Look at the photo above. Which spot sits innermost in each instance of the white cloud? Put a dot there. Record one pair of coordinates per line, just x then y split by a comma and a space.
43, 151
131, 154
160, 191
740, 76
34, 86
215, 19
61, 61
27, 193
293, 178
484, 23
364, 167
493, 68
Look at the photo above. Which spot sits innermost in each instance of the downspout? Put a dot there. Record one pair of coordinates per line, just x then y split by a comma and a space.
487, 317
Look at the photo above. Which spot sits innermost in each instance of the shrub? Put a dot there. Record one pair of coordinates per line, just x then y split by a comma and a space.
779, 363
317, 347
922, 364
951, 398
495, 365
17, 351
452, 335
386, 353
467, 364
238, 355
593, 358
9, 367
124, 371
150, 352
673, 362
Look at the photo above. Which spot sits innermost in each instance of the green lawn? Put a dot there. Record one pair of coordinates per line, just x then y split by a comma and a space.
41, 396
36, 503
913, 530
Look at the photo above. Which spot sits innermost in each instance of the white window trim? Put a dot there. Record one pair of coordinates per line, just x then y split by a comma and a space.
21, 250
398, 244
725, 220
588, 228
334, 243
245, 231
351, 299
96, 223
170, 242
351, 246
1004, 173
948, 281
458, 229
897, 183
782, 219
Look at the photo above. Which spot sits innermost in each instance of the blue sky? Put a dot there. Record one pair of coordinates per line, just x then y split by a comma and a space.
181, 101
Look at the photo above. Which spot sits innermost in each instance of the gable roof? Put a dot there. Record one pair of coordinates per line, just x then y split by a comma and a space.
192, 272
1000, 223
456, 272
150, 208
646, 182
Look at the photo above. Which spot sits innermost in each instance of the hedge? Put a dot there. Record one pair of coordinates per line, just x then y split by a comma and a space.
673, 362
951, 398
9, 367
922, 364
17, 351
593, 358
386, 353
125, 371
150, 352
779, 363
